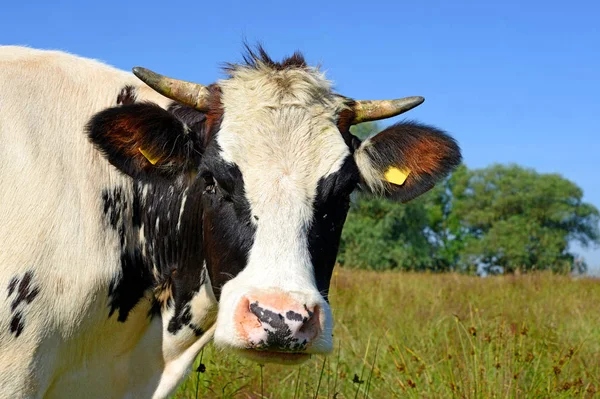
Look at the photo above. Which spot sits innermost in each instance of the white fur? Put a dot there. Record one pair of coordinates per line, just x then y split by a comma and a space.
181, 208
279, 128
51, 223
373, 177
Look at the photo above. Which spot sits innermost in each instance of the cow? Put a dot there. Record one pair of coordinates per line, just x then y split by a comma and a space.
142, 216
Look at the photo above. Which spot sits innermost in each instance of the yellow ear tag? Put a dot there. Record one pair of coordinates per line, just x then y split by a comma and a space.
149, 157
396, 176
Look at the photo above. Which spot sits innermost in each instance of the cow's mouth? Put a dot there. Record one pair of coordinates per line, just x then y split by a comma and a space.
288, 358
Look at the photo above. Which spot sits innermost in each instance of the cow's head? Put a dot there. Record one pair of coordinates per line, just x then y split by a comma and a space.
272, 167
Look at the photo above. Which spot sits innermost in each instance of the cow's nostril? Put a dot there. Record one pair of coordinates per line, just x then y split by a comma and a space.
310, 325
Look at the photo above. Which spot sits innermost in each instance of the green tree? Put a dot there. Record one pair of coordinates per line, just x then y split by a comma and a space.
515, 219
381, 234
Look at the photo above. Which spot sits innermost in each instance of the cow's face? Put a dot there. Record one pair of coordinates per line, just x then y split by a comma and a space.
280, 147
276, 168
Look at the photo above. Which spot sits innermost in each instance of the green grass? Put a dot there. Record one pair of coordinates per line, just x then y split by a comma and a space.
435, 336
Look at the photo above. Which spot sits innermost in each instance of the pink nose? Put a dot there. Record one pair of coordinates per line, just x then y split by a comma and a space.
276, 322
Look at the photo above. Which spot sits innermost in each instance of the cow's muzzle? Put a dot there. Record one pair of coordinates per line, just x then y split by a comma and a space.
276, 327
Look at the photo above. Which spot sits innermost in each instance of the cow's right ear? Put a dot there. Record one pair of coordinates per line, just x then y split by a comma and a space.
144, 140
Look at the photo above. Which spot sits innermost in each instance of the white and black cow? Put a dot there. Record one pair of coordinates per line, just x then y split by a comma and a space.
134, 228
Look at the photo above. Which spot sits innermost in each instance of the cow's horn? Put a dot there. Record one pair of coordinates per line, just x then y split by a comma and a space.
193, 94
372, 110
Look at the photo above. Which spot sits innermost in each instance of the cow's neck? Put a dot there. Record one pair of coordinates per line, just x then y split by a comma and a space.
170, 228
170, 242
160, 233
159, 230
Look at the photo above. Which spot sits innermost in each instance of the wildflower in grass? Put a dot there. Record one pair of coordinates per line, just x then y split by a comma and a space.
591, 390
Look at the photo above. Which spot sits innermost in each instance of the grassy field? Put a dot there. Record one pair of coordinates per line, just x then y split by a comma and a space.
435, 336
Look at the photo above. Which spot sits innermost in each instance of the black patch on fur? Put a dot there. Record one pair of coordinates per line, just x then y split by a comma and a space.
126, 95
114, 211
126, 289
12, 284
197, 330
331, 205
17, 324
228, 229
136, 207
113, 205
24, 293
134, 279
182, 319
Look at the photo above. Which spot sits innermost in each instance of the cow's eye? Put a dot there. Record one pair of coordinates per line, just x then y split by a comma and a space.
210, 184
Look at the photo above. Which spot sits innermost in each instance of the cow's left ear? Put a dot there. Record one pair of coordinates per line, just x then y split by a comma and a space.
144, 140
406, 160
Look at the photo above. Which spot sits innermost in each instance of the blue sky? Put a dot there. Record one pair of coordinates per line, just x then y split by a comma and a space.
513, 81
